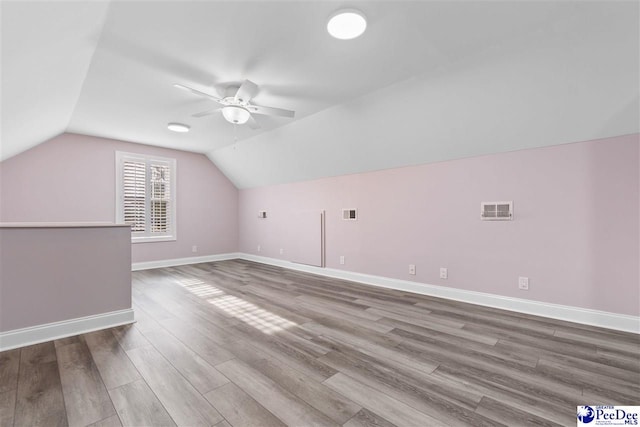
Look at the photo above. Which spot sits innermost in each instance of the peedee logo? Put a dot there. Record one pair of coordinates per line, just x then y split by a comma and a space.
586, 414
608, 415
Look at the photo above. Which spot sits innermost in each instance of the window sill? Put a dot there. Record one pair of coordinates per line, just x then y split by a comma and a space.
153, 239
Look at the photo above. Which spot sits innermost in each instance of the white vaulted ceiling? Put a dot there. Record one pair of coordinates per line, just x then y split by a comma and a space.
428, 81
46, 52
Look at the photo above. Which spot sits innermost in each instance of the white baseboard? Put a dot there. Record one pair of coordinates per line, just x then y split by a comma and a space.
52, 331
136, 266
586, 316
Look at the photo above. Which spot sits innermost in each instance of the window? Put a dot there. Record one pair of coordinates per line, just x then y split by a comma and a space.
146, 195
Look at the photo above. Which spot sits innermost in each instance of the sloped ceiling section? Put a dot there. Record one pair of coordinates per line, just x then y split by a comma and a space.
428, 81
573, 80
46, 50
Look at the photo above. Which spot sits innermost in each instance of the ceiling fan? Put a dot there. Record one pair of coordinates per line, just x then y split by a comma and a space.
236, 105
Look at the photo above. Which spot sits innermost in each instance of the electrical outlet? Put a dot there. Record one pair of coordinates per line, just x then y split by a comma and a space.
444, 273
341, 259
412, 269
194, 249
523, 283
281, 251
259, 248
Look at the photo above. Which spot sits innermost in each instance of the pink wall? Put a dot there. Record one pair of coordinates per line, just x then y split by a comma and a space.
575, 235
71, 178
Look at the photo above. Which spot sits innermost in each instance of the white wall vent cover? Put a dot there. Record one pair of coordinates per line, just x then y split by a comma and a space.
262, 214
350, 214
496, 211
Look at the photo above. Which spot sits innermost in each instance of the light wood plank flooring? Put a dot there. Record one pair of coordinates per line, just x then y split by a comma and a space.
236, 343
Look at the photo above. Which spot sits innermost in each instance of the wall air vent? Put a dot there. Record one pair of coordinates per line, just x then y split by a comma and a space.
350, 214
262, 214
496, 211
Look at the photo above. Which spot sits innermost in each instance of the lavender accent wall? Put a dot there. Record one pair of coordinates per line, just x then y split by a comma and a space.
575, 235
71, 178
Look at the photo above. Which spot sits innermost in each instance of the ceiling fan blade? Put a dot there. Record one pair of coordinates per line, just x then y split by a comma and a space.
247, 90
206, 113
197, 92
270, 111
253, 124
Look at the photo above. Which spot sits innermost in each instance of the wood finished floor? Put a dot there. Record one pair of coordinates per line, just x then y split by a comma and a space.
236, 343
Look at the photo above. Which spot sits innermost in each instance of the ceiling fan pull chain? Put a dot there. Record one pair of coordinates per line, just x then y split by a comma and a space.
235, 135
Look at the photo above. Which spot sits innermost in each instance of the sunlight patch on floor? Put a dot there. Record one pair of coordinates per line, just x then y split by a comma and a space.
185, 283
199, 288
251, 314
205, 290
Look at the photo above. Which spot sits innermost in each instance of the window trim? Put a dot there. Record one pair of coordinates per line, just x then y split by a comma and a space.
120, 157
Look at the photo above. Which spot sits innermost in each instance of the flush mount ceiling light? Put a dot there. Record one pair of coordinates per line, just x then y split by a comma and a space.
346, 24
178, 127
236, 114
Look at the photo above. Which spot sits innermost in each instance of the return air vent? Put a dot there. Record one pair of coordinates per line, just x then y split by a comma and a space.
350, 214
496, 211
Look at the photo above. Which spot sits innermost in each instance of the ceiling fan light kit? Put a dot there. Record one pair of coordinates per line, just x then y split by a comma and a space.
178, 127
346, 24
236, 114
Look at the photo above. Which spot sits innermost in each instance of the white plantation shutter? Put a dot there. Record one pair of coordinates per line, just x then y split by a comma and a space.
145, 188
134, 187
160, 198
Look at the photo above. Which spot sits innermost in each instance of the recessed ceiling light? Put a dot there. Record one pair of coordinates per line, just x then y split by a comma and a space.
347, 24
178, 127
